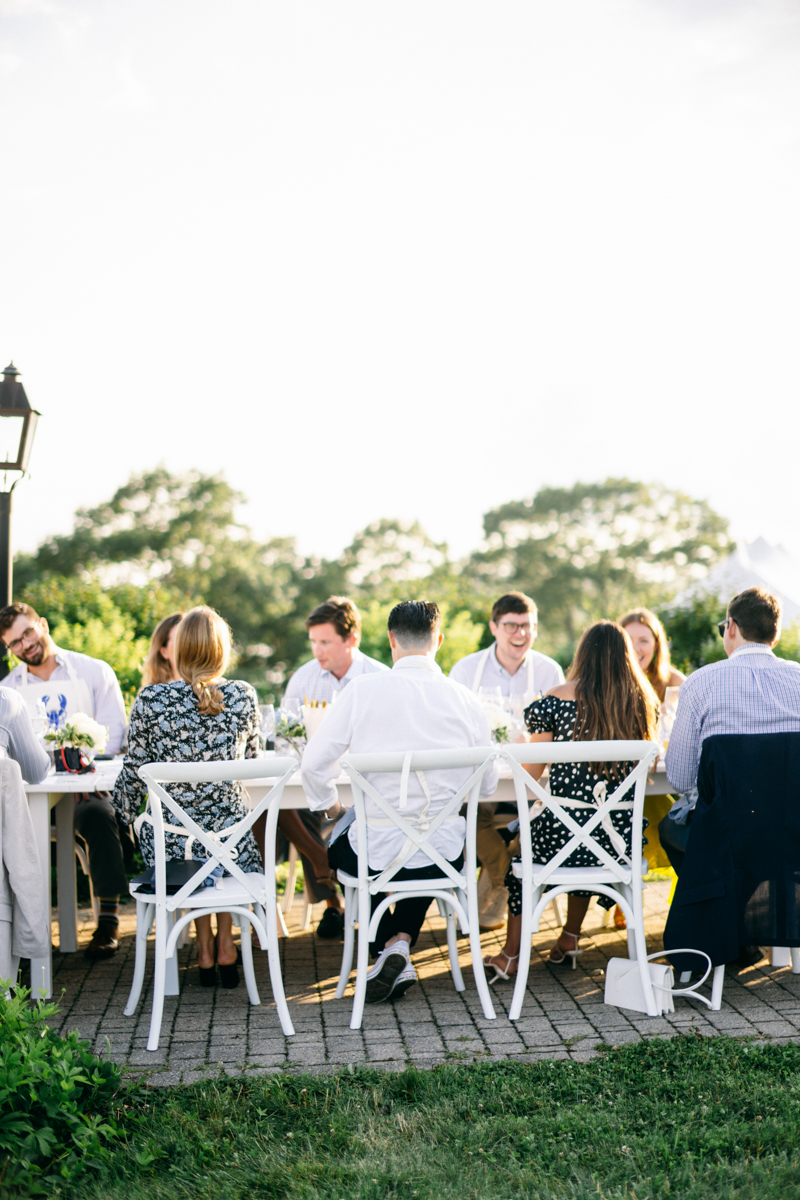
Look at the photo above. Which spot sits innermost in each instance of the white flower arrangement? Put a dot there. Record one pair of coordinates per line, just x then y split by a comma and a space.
499, 720
82, 732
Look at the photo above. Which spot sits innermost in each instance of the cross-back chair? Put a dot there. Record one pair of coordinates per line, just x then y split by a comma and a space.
618, 876
455, 892
235, 892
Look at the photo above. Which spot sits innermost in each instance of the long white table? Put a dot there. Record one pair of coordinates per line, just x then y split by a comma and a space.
56, 791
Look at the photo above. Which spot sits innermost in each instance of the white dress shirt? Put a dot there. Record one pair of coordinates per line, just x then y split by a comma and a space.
535, 675
18, 739
104, 690
412, 707
310, 679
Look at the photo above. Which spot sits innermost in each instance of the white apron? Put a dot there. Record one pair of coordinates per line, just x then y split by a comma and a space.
62, 697
481, 664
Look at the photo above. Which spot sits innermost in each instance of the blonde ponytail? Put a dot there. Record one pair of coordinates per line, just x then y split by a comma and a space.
202, 652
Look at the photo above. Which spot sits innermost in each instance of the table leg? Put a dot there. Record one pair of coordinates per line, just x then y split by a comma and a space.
42, 968
66, 875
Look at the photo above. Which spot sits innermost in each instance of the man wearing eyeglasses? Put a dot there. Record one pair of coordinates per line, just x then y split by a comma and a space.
753, 691
522, 673
61, 683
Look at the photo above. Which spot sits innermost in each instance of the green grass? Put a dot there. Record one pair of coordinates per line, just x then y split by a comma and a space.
686, 1117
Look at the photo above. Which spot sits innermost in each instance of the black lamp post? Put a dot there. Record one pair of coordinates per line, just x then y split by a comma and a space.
17, 427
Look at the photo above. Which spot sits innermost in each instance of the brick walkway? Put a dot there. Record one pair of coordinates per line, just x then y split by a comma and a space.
211, 1031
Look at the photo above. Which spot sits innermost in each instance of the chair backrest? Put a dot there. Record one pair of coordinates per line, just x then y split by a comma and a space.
643, 754
418, 832
221, 847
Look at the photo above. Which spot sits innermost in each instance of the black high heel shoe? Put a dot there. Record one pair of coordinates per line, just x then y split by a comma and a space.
208, 976
228, 974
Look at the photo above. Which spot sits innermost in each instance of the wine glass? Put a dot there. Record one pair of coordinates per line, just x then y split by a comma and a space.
268, 726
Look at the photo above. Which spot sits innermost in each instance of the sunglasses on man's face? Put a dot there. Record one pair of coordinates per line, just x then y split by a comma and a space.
722, 626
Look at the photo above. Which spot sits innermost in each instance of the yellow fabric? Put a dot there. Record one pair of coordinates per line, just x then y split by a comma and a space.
655, 808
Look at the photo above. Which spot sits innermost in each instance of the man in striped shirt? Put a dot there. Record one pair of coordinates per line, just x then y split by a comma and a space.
754, 691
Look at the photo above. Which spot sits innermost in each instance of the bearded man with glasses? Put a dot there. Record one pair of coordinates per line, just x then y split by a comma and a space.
64, 682
521, 673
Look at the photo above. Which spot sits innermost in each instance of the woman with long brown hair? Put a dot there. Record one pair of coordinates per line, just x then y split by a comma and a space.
159, 666
200, 716
606, 698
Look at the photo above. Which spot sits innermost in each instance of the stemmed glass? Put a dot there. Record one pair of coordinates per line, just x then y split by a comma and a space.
268, 726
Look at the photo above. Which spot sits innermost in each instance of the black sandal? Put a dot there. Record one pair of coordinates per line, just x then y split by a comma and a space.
208, 976
228, 974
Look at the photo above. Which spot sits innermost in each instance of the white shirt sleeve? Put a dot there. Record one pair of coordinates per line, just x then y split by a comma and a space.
109, 707
321, 756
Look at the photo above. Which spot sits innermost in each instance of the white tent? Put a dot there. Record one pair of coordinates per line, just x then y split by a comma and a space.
755, 565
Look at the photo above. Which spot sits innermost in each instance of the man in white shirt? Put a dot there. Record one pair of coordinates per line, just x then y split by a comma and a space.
334, 630
61, 683
413, 707
521, 673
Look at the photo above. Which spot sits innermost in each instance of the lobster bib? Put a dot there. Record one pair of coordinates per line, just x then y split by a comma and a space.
62, 697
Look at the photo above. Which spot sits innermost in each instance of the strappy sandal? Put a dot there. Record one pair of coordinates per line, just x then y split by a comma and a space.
499, 973
559, 955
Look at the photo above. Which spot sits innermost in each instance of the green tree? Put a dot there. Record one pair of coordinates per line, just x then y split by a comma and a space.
592, 550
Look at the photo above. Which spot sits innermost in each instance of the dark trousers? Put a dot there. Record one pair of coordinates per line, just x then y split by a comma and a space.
408, 915
96, 822
674, 838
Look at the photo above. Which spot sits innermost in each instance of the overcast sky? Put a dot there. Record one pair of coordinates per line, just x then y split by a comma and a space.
403, 259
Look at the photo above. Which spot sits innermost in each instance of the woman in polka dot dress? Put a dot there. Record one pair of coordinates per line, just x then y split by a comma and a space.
606, 697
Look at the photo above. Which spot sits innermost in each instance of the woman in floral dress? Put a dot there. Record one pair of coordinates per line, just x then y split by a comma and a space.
606, 698
202, 717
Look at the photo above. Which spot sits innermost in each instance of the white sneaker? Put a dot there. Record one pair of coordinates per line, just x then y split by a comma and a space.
404, 981
381, 978
495, 912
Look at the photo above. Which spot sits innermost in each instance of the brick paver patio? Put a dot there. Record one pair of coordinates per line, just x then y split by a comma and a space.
214, 1030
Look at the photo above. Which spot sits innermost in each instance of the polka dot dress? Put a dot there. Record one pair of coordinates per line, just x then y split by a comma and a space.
577, 781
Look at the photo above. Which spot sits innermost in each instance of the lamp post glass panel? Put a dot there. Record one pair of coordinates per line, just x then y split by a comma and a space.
17, 428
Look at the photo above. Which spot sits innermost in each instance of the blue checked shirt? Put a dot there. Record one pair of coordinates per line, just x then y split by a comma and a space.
753, 692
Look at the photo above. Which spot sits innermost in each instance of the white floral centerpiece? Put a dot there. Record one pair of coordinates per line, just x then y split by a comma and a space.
81, 732
499, 720
292, 730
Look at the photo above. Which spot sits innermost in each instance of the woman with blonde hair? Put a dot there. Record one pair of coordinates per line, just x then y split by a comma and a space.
159, 666
606, 698
199, 716
651, 646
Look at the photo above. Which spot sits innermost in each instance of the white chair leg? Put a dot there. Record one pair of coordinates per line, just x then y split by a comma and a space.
288, 895
452, 944
476, 951
685, 976
159, 980
247, 959
171, 981
305, 924
556, 907
144, 923
362, 962
284, 932
524, 962
350, 907
795, 960
716, 988
274, 958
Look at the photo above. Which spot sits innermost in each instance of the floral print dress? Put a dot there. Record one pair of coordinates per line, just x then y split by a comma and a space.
553, 715
167, 726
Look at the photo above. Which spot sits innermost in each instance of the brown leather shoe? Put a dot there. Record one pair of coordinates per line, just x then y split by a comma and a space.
104, 941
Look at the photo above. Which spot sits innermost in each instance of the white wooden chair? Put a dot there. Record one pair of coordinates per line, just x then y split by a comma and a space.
456, 892
235, 893
617, 878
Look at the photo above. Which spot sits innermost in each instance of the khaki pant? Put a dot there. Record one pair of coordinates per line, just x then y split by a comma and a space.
494, 855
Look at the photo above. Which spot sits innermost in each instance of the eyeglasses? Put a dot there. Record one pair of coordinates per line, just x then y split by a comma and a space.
722, 626
512, 627
29, 635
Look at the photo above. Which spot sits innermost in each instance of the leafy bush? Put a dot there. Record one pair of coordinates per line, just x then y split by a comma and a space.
55, 1100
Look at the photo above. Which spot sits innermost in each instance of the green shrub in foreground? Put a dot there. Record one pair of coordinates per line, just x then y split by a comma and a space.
55, 1100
